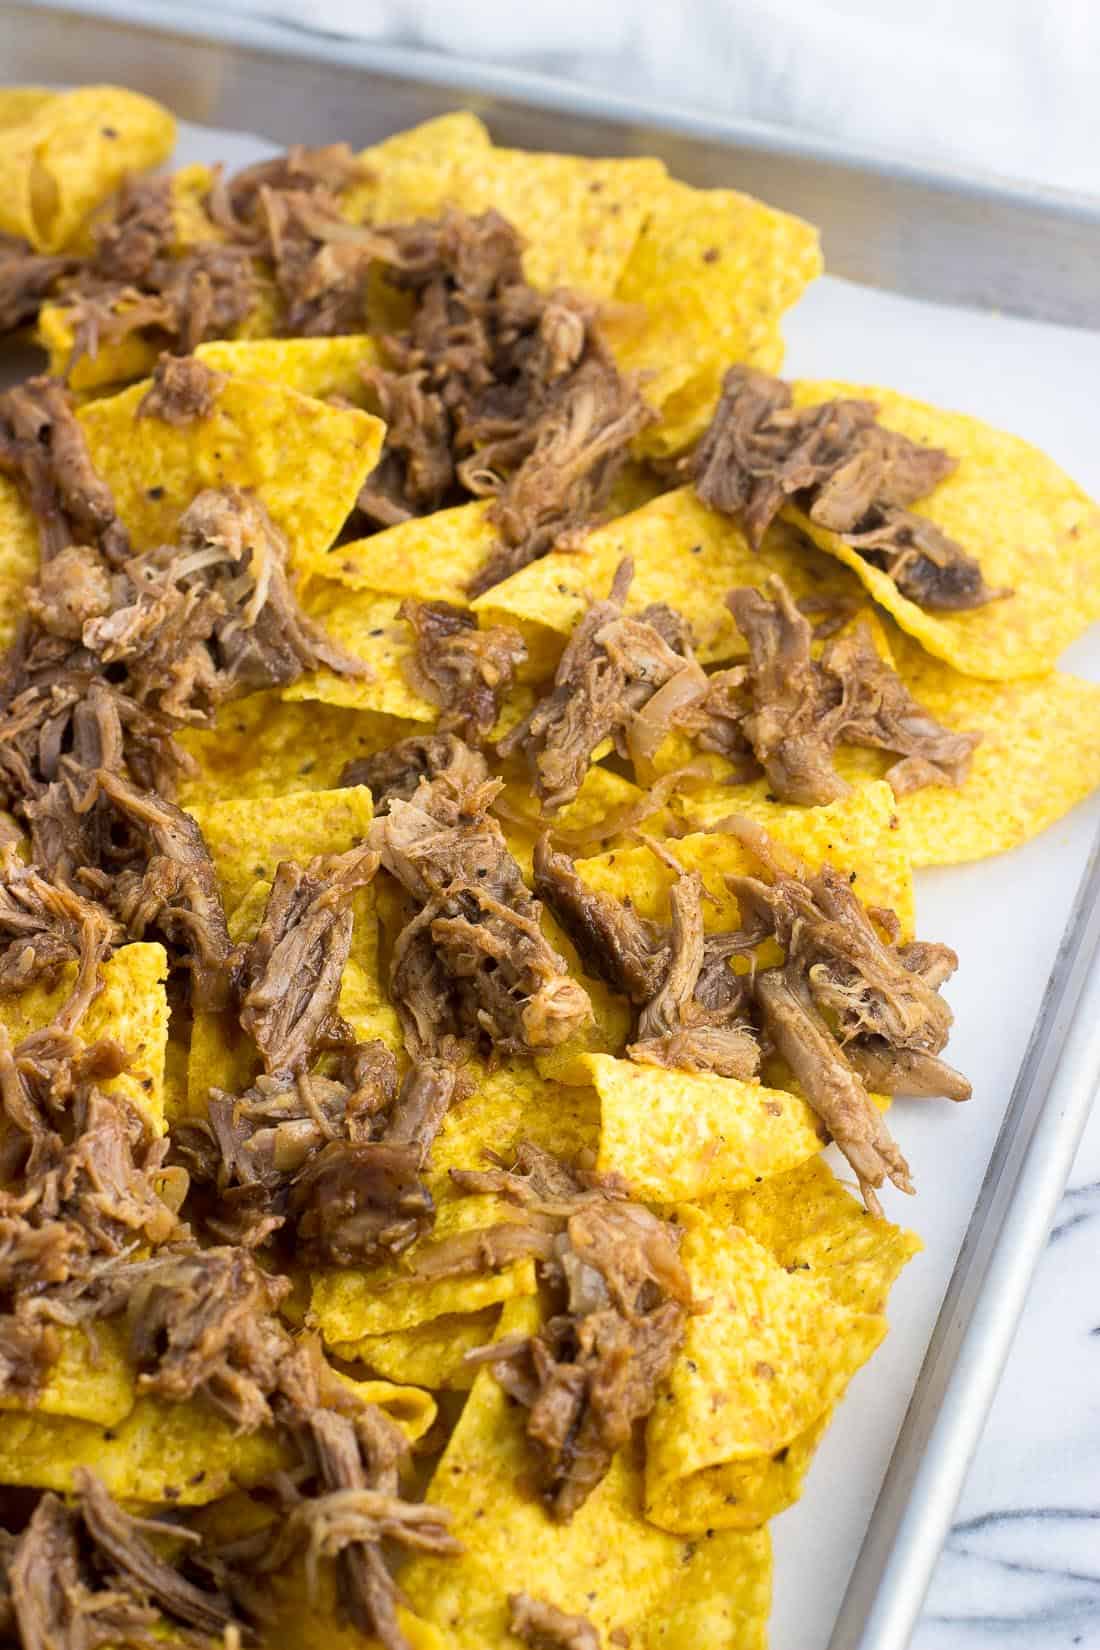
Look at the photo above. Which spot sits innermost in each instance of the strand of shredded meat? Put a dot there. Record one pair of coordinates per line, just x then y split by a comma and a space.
466, 671
612, 666
472, 962
801, 708
619, 1297
847, 472
496, 390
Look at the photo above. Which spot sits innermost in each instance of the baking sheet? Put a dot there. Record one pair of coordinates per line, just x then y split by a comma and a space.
1004, 916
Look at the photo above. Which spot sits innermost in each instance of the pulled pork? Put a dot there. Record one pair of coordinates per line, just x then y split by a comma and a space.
87, 1575
395, 773
337, 1157
620, 1297
471, 963
611, 667
543, 1626
43, 447
847, 472
847, 1010
494, 390
27, 279
183, 391
138, 280
289, 976
800, 708
466, 671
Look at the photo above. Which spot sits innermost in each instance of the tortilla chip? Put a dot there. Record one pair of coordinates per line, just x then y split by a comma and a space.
676, 1137
264, 746
19, 103
131, 1008
247, 840
859, 834
430, 1354
813, 1225
1031, 528
68, 152
709, 276
92, 1380
19, 558
769, 1355
509, 1105
177, 1053
408, 176
187, 1454
366, 625
604, 797
814, 1229
684, 554
319, 367
1039, 757
351, 1302
307, 1617
432, 558
634, 1583
305, 461
115, 361
579, 218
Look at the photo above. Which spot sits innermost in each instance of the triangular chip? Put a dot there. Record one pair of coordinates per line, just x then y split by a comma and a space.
63, 153
350, 1302
131, 1007
683, 554
304, 459
19, 557
248, 839
711, 273
859, 834
408, 175
1032, 530
320, 367
266, 746
92, 1379
186, 1454
431, 1355
677, 1136
634, 1583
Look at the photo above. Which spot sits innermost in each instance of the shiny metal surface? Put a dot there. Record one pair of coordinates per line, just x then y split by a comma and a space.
983, 243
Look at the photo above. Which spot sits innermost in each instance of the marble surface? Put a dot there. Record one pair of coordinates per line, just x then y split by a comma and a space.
1022, 1564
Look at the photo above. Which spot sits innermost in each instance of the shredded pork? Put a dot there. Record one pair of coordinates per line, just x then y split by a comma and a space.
847, 472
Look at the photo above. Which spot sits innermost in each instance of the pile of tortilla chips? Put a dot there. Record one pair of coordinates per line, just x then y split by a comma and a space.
791, 1274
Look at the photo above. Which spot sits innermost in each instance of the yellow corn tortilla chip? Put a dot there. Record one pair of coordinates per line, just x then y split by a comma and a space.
509, 1105
305, 460
320, 367
306, 1617
430, 1354
677, 1137
710, 275
19, 558
408, 175
768, 1355
431, 558
634, 1583
350, 1302
1032, 529
604, 797
859, 834
264, 746
812, 1224
1039, 756
69, 151
19, 103
131, 1007
579, 218
177, 1053
248, 839
184, 1453
683, 554
814, 1228
116, 361
366, 625
92, 1380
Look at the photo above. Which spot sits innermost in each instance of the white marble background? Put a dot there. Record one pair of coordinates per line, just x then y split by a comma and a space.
1008, 86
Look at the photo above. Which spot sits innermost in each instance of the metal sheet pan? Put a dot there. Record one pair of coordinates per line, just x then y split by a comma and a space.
888, 224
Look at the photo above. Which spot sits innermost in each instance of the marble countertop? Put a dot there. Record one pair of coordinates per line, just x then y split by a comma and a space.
1022, 1564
